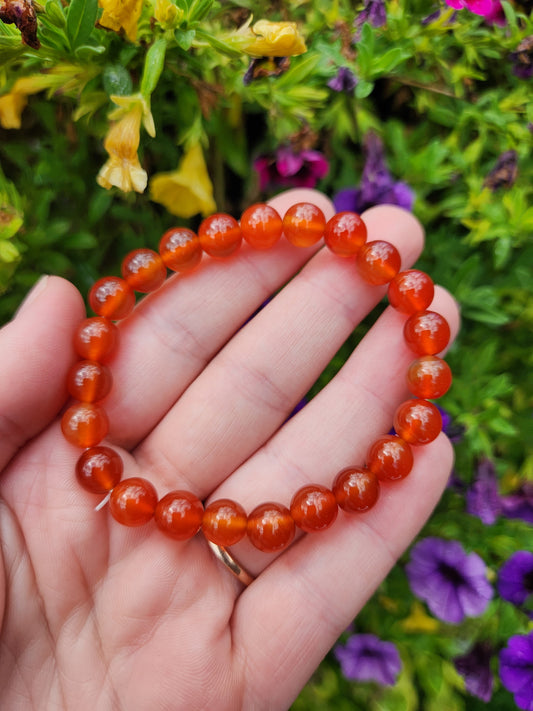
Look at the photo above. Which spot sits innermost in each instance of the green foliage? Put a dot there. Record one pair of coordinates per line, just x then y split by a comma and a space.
443, 97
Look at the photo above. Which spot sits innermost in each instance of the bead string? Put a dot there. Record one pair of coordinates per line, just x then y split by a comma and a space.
270, 526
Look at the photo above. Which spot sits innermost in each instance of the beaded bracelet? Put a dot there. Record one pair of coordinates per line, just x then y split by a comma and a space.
270, 526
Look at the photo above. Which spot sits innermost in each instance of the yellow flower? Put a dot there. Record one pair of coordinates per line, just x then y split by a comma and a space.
188, 190
121, 14
12, 104
419, 621
123, 169
167, 14
275, 39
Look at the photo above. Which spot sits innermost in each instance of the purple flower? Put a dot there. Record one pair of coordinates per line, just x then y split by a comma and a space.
519, 504
482, 499
366, 657
377, 186
344, 80
515, 581
474, 667
452, 583
504, 172
522, 59
435, 16
374, 12
290, 169
516, 669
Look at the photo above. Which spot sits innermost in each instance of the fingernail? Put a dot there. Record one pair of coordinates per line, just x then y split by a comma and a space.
33, 293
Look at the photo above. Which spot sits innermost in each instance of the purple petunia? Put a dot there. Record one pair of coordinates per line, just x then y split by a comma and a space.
377, 186
366, 657
344, 80
374, 13
474, 667
515, 581
452, 582
482, 499
519, 504
516, 669
288, 168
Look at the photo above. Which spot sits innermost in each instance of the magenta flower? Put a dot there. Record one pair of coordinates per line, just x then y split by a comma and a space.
366, 657
290, 169
453, 583
515, 581
474, 667
491, 10
377, 186
482, 499
516, 669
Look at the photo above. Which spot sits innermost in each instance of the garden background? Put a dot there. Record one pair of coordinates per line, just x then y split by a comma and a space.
119, 120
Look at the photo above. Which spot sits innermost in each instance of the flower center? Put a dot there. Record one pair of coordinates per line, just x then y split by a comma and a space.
451, 574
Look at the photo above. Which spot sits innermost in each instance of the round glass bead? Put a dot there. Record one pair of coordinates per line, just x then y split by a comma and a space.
429, 377
179, 514
111, 297
345, 234
378, 262
389, 457
426, 333
144, 270
99, 469
180, 249
411, 291
224, 522
84, 424
314, 508
133, 501
355, 489
95, 338
417, 421
89, 381
220, 235
304, 224
261, 226
270, 527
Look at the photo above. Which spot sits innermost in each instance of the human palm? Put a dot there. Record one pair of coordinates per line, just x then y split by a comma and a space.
100, 616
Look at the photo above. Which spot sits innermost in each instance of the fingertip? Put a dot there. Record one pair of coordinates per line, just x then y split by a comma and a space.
394, 223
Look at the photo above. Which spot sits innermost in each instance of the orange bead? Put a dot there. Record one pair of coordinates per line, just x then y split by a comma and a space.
133, 501
220, 235
84, 424
144, 270
95, 338
426, 333
417, 421
111, 297
429, 377
179, 514
224, 522
270, 527
261, 226
355, 489
378, 262
89, 381
389, 457
304, 224
180, 249
99, 469
314, 508
345, 234
411, 291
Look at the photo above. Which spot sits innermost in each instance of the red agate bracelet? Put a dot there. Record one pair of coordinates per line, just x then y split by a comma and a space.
270, 526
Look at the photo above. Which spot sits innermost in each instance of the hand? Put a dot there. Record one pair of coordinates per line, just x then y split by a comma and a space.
100, 616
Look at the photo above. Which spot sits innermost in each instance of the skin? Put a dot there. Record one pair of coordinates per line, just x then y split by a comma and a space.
100, 616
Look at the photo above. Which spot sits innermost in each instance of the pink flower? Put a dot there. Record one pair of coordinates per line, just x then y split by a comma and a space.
491, 10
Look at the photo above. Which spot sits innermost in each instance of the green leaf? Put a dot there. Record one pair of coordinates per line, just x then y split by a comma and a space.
10, 48
55, 15
184, 39
81, 19
88, 52
364, 89
153, 66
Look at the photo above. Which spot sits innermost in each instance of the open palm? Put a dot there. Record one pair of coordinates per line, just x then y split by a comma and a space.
101, 616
